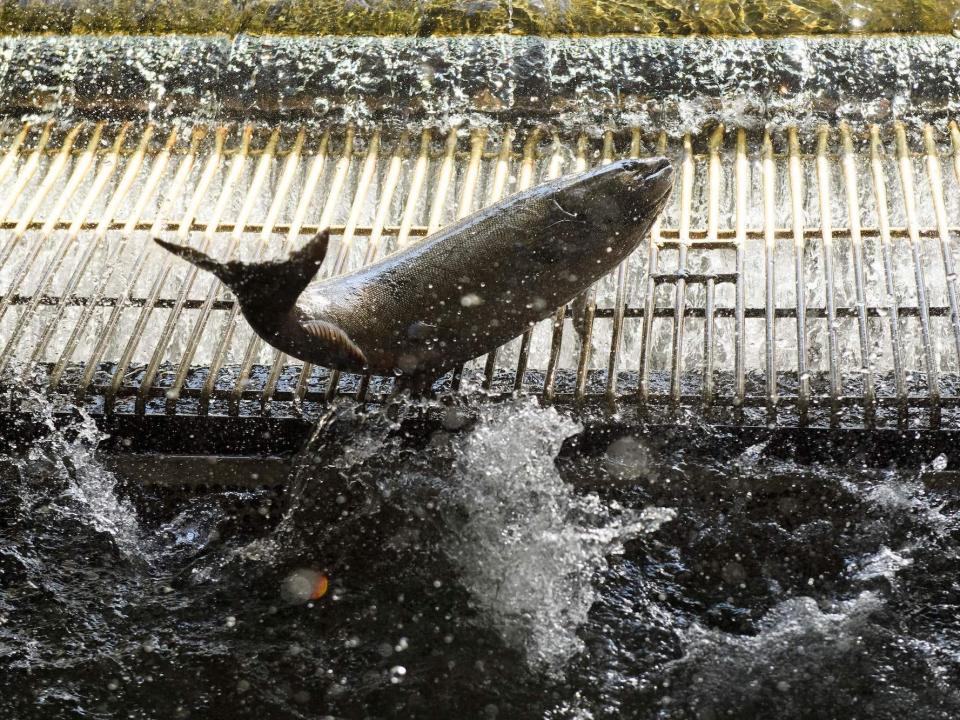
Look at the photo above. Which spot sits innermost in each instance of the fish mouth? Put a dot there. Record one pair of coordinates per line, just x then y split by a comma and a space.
654, 176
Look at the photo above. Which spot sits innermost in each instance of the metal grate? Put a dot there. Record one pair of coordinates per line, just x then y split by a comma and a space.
796, 276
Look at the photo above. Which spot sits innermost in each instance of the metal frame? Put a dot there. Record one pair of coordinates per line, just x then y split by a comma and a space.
80, 203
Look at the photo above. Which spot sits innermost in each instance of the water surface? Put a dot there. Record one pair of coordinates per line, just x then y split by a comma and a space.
472, 575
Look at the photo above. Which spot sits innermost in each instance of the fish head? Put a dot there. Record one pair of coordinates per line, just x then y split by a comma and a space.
619, 195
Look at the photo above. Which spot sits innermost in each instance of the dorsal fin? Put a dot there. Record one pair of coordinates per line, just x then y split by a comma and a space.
272, 286
336, 340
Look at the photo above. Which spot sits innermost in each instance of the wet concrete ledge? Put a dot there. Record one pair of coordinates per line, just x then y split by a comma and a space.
177, 441
678, 84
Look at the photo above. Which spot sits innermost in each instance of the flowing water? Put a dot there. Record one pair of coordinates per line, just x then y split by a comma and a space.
486, 565
383, 17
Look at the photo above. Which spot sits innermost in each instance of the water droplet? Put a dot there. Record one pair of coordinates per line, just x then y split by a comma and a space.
627, 459
454, 419
397, 673
231, 621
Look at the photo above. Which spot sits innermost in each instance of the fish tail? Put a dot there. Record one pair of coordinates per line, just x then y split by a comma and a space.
272, 285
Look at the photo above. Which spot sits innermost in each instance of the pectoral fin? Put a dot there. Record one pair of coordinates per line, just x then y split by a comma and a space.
336, 340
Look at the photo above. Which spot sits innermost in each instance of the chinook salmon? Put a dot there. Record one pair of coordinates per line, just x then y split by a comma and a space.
461, 292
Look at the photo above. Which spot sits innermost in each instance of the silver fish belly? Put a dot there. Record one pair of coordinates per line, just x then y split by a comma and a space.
463, 291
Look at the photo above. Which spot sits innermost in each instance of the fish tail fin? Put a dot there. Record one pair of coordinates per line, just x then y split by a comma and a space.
272, 285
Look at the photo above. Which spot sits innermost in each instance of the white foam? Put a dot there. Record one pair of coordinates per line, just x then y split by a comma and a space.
528, 546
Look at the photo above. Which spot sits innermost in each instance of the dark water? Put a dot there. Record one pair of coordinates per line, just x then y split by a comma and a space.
471, 575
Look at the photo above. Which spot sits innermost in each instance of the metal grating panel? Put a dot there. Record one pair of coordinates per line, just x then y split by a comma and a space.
796, 277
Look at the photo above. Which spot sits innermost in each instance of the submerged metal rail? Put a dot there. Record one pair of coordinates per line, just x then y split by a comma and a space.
797, 277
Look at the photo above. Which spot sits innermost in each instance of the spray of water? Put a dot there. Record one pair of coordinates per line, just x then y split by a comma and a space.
64, 475
529, 547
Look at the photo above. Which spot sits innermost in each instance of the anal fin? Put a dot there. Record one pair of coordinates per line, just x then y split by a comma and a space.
336, 340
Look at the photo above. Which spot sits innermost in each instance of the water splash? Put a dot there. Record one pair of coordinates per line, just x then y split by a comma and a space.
528, 546
777, 674
63, 476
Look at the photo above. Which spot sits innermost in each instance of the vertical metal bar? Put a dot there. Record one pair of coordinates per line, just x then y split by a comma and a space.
905, 166
826, 231
106, 335
54, 171
80, 170
13, 152
111, 262
649, 300
359, 201
299, 215
769, 179
27, 171
497, 191
375, 244
590, 298
742, 185
680, 287
340, 171
276, 206
478, 141
417, 180
226, 194
444, 183
620, 303
849, 166
556, 338
800, 278
106, 172
935, 177
708, 342
954, 141
416, 186
367, 173
57, 166
82, 167
212, 165
880, 194
713, 222
216, 288
6, 166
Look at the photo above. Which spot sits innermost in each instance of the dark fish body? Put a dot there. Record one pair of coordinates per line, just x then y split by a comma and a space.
463, 291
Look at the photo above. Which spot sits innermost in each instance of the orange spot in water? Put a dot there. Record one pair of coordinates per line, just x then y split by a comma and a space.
320, 586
